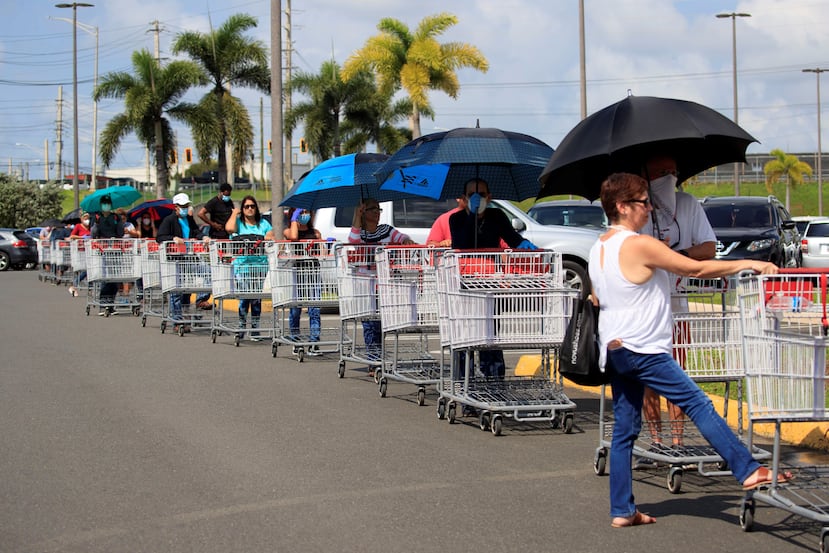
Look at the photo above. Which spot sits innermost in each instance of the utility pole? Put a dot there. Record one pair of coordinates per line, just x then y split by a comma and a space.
46, 155
582, 68
261, 140
289, 47
276, 113
59, 132
159, 144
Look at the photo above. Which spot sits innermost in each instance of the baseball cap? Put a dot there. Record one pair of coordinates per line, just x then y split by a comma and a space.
181, 199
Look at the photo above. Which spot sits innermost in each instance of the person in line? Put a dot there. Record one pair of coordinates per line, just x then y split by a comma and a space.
129, 229
107, 225
215, 213
80, 232
302, 228
479, 226
146, 226
678, 220
630, 276
248, 221
440, 235
178, 227
367, 229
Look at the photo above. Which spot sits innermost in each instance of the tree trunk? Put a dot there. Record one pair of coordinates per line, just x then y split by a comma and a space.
788, 189
414, 122
161, 177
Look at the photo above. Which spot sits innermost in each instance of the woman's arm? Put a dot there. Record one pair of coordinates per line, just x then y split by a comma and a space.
232, 224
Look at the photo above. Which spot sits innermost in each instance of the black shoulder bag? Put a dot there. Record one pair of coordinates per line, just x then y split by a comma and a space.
579, 358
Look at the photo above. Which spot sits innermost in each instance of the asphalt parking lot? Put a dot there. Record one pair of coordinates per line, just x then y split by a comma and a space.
117, 438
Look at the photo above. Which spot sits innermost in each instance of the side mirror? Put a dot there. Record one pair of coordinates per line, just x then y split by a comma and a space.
518, 224
789, 224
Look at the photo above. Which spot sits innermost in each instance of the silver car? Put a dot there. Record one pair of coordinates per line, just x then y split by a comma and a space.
814, 244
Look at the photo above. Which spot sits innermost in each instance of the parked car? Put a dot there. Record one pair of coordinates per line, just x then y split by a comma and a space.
17, 249
802, 221
753, 227
414, 216
814, 244
569, 213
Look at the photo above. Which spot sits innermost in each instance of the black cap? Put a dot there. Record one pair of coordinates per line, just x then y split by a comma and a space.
106, 199
225, 187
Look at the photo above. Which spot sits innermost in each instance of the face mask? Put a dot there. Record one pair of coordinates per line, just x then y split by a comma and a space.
481, 205
145, 221
85, 222
225, 198
304, 219
182, 211
663, 194
106, 207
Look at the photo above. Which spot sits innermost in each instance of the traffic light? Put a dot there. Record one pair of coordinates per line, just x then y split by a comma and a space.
174, 156
188, 155
303, 146
270, 148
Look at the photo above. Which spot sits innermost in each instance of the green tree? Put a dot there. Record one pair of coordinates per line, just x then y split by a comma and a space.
25, 204
788, 166
415, 62
376, 120
228, 59
148, 95
329, 98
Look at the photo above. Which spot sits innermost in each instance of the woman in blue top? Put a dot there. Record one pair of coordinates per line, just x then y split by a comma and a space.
248, 221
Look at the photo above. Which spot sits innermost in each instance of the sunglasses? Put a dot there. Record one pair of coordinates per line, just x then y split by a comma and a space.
249, 206
646, 202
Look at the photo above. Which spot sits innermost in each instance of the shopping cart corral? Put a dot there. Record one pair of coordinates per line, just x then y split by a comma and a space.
185, 270
785, 326
113, 262
239, 270
408, 303
303, 275
708, 345
503, 299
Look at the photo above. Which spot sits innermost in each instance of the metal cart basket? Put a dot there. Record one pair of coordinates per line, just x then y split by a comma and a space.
785, 325
152, 299
113, 261
503, 299
185, 269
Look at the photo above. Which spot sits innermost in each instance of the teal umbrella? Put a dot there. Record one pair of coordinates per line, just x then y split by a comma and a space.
120, 196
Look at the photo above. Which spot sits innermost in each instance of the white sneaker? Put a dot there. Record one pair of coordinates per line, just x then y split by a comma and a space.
314, 351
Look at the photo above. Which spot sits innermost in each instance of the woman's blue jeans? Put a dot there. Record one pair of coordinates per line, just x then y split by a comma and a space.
255, 307
630, 373
313, 321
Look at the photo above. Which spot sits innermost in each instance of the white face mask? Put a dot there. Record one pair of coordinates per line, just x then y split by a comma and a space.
663, 194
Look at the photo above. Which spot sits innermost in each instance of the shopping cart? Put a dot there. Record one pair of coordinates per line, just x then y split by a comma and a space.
239, 271
44, 258
185, 270
408, 304
77, 259
61, 262
708, 345
503, 299
110, 263
152, 298
784, 322
303, 275
356, 269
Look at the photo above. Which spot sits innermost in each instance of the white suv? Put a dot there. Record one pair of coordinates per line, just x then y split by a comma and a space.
414, 216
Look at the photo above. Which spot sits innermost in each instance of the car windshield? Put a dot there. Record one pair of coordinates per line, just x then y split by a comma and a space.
818, 230
732, 216
569, 215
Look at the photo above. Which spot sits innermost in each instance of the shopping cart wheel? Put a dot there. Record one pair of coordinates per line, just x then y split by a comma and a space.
496, 424
274, 349
451, 412
300, 354
555, 422
237, 340
722, 465
144, 321
421, 396
163, 326
824, 540
87, 311
600, 461
384, 386
213, 335
181, 330
340, 369
675, 479
441, 409
568, 423
484, 420
136, 311
378, 374
747, 518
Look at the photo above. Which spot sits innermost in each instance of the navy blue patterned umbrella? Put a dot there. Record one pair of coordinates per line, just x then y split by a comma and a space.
438, 165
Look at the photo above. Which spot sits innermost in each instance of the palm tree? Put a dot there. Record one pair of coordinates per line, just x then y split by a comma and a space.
329, 99
417, 62
376, 120
227, 59
148, 95
785, 165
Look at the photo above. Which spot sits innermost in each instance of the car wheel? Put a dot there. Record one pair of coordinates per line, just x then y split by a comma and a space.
575, 276
4, 261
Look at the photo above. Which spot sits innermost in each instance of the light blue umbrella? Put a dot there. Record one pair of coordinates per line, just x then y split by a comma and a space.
120, 196
339, 182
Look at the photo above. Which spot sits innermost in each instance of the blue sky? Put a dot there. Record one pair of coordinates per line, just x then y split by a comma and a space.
672, 48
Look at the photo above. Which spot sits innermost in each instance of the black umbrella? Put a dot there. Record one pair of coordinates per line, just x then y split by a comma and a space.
51, 223
73, 217
622, 136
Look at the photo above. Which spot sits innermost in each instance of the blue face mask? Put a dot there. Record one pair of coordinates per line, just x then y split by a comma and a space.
106, 207
182, 211
225, 198
304, 219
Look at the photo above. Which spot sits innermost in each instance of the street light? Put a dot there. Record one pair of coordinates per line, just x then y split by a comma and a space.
75, 6
817, 71
92, 30
734, 17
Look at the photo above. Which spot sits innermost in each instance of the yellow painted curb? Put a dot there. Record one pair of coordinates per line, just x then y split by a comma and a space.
813, 435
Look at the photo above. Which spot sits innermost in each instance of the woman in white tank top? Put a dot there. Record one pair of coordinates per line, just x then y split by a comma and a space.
629, 273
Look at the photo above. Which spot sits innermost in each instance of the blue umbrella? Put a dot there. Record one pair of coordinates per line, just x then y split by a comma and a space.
438, 165
157, 209
338, 182
120, 196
